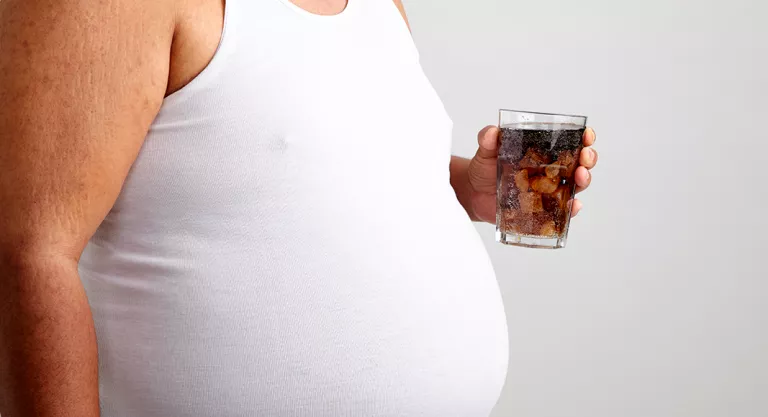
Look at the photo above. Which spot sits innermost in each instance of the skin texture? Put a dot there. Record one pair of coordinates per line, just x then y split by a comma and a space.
322, 7
195, 39
80, 86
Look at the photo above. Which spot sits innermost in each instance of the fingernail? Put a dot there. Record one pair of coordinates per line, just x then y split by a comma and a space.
592, 155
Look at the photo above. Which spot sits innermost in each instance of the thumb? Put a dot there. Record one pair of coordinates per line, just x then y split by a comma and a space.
482, 168
488, 141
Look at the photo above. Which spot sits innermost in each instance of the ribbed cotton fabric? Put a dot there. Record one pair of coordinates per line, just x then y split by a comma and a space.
287, 242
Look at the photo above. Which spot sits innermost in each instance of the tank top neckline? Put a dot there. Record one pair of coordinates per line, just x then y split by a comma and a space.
330, 17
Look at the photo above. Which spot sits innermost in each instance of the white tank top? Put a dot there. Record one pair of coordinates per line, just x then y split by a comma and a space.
287, 242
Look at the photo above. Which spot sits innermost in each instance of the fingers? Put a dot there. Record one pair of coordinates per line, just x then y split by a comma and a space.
583, 178
588, 158
576, 207
488, 139
589, 136
482, 168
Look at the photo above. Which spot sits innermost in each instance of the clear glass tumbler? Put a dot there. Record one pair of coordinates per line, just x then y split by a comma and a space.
535, 183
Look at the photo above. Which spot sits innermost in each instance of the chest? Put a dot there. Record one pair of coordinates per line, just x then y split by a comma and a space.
321, 7
296, 104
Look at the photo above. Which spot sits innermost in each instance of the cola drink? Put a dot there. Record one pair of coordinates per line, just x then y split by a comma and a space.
536, 167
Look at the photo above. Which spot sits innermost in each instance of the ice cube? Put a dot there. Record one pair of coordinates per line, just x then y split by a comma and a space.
561, 196
548, 229
560, 206
544, 185
530, 203
554, 170
569, 161
521, 180
549, 203
533, 159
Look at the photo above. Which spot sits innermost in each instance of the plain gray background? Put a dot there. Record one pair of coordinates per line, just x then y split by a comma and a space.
658, 307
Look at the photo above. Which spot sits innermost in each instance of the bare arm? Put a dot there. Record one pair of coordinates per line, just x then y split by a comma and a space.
80, 82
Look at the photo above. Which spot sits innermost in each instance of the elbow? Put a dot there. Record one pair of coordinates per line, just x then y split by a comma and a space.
26, 263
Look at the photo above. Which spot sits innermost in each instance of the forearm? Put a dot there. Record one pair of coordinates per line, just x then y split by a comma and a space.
48, 358
460, 182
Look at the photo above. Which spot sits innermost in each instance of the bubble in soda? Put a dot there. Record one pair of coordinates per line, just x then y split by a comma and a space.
537, 162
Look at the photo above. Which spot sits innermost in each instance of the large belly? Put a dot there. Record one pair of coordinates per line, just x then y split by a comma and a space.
280, 257
395, 313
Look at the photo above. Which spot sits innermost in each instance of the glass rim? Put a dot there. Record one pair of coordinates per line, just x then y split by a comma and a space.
543, 113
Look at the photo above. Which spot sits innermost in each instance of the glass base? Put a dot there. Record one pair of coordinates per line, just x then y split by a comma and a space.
538, 242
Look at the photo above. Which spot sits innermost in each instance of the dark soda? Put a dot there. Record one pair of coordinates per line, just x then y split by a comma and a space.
536, 167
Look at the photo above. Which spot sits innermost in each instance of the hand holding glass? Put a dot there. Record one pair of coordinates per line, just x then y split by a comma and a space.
538, 158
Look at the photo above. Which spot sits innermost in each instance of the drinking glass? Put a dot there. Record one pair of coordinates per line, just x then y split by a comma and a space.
538, 158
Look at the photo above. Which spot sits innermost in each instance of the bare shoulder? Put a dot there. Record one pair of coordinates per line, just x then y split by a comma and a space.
80, 83
59, 40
